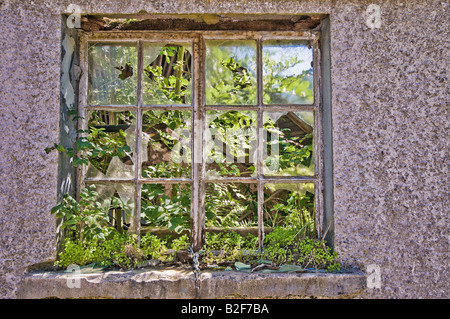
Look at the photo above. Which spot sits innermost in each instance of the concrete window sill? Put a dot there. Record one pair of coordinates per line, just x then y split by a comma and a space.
180, 284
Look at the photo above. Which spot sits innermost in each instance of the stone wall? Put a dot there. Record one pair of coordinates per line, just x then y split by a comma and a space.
389, 100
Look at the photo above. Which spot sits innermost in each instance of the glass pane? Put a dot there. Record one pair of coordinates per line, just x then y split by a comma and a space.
166, 142
287, 72
112, 138
166, 206
288, 144
119, 200
231, 205
112, 74
289, 206
167, 74
230, 143
230, 72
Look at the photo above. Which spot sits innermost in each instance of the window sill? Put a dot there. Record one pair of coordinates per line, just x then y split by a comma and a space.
180, 284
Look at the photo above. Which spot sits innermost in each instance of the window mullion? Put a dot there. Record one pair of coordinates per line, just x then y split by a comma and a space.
197, 187
137, 155
260, 141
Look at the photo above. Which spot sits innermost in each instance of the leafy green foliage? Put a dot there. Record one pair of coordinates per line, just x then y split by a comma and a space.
230, 73
230, 205
241, 76
292, 211
227, 246
180, 243
282, 83
152, 246
292, 151
165, 170
98, 147
163, 210
85, 219
284, 245
119, 249
163, 88
281, 246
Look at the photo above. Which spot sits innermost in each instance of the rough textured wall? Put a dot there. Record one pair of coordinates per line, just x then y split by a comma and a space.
390, 103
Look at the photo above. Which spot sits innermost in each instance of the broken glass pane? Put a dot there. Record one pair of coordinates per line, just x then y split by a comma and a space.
112, 74
166, 141
287, 72
230, 72
288, 144
167, 74
119, 200
231, 205
112, 143
230, 139
166, 206
289, 206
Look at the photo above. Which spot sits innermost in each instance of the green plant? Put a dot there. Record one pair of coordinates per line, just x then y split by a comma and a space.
282, 87
291, 210
130, 254
230, 205
163, 210
173, 86
180, 243
152, 246
119, 249
241, 76
98, 147
284, 245
227, 246
87, 218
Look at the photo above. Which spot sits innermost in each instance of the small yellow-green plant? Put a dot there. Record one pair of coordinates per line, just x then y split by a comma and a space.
281, 246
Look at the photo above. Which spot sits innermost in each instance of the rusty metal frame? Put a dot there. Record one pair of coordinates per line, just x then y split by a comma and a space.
198, 110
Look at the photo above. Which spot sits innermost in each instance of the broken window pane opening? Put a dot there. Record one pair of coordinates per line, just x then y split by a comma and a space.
166, 206
290, 206
288, 143
231, 205
110, 144
166, 141
167, 74
231, 143
118, 202
112, 77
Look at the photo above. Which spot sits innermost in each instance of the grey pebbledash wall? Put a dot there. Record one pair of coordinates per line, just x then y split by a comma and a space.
389, 127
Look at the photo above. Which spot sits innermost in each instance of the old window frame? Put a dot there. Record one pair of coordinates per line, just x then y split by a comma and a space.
198, 109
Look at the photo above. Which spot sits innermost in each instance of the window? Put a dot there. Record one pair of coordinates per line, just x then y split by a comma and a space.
203, 131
